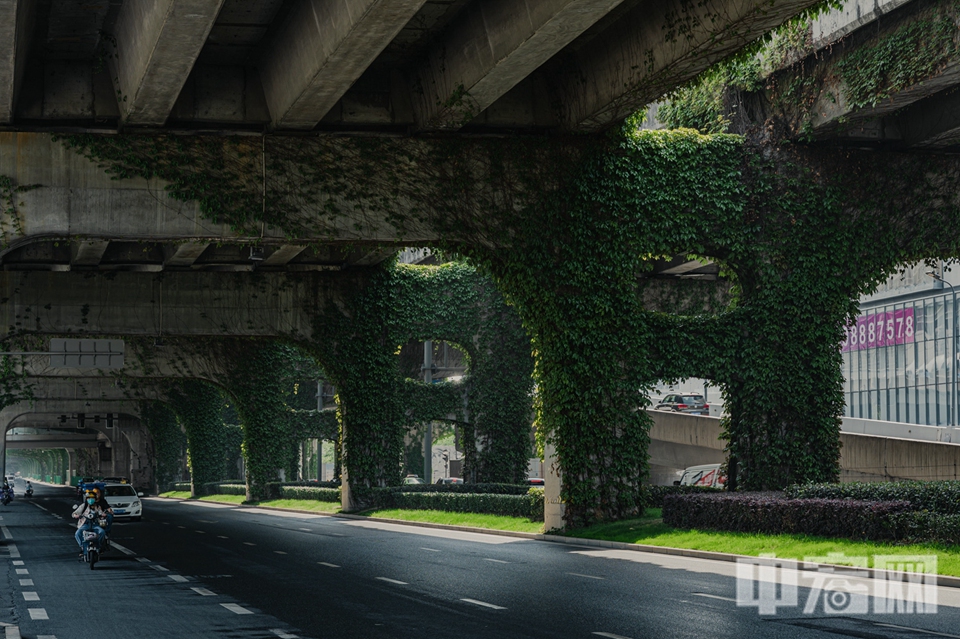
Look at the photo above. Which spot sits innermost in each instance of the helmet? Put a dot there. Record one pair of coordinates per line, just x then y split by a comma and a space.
90, 493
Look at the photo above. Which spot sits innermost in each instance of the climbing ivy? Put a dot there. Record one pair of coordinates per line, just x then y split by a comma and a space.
198, 406
11, 224
169, 441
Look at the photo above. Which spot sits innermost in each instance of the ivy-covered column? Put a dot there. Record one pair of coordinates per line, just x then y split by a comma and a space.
169, 442
256, 383
199, 407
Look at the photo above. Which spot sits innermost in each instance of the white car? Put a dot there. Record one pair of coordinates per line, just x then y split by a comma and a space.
124, 500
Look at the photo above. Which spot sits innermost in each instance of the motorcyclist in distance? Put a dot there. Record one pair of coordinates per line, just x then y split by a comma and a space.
108, 518
89, 514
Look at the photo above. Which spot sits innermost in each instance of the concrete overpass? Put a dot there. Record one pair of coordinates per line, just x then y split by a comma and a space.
357, 66
679, 441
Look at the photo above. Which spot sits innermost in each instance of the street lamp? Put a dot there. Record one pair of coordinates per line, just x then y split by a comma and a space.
953, 364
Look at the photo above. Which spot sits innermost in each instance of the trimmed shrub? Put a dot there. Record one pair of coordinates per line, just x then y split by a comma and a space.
653, 498
926, 527
772, 513
314, 484
941, 497
488, 489
313, 493
528, 505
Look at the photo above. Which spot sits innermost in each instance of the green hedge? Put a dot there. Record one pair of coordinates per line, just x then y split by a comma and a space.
653, 496
529, 505
312, 493
942, 497
488, 489
926, 527
774, 514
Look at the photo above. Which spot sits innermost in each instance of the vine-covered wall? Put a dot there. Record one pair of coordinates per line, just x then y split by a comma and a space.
199, 406
169, 441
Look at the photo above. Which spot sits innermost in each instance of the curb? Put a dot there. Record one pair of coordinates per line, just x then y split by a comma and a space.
942, 580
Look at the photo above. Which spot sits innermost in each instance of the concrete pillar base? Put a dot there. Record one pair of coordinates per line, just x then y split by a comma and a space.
553, 508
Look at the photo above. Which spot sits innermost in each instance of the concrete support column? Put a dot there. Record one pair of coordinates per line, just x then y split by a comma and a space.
553, 508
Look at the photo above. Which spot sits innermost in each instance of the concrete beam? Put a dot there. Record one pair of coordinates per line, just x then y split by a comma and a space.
89, 252
51, 441
491, 48
651, 49
16, 27
283, 255
186, 254
321, 50
931, 123
157, 44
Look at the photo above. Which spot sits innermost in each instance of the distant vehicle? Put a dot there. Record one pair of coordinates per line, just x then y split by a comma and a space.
691, 403
536, 481
449, 480
116, 480
412, 479
705, 475
124, 500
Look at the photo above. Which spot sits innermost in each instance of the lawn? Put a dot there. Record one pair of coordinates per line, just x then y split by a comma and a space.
474, 520
651, 530
292, 504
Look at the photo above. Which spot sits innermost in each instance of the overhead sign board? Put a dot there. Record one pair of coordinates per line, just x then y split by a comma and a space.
86, 353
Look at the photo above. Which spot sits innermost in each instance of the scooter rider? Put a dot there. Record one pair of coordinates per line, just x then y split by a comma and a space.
89, 514
108, 516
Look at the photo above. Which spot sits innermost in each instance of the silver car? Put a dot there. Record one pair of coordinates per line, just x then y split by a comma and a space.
691, 403
124, 500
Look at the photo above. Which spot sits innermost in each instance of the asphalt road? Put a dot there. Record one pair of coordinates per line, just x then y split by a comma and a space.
201, 570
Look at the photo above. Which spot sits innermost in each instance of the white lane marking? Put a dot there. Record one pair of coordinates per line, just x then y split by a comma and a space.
30, 595
283, 635
577, 574
240, 610
279, 552
37, 505
496, 561
22, 571
6, 532
205, 504
338, 534
484, 604
38, 613
609, 635
184, 527
709, 596
46, 636
222, 537
12, 632
248, 543
393, 581
204, 592
178, 578
430, 549
14, 551
206, 521
26, 582
122, 549
306, 529
323, 563
18, 563
202, 532
144, 560
160, 568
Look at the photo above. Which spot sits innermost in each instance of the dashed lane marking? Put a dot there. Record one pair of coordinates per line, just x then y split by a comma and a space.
37, 614
484, 604
206, 521
430, 549
709, 596
26, 582
6, 532
144, 560
46, 636
11, 632
38, 506
122, 549
184, 527
279, 552
306, 529
160, 568
222, 537
609, 635
496, 561
240, 610
178, 578
577, 574
30, 595
249, 543
18, 563
323, 563
204, 592
283, 635
22, 571
393, 581
202, 532
14, 551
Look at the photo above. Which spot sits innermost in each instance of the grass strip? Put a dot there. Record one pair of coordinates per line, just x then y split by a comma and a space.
474, 520
651, 530
290, 504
